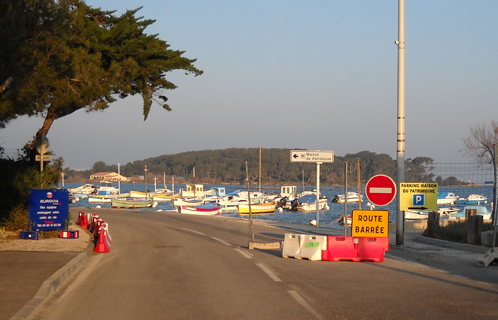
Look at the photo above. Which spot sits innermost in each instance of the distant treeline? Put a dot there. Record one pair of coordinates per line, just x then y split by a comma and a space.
228, 166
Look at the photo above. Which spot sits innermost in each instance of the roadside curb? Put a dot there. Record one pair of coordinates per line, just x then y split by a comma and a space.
55, 281
452, 245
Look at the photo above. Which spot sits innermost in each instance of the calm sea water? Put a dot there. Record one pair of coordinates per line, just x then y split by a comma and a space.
326, 216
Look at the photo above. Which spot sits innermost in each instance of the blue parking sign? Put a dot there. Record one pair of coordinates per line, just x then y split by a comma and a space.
419, 199
48, 208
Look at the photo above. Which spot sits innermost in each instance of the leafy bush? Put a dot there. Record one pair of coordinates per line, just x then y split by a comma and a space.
18, 179
455, 231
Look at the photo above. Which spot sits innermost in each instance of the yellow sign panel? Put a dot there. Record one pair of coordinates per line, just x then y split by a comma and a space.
370, 223
418, 196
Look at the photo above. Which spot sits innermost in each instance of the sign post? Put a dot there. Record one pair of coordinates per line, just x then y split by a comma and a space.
317, 157
42, 147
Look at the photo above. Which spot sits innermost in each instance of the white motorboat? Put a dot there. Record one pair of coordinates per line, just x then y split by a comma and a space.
481, 211
473, 199
416, 215
447, 211
351, 197
286, 196
230, 202
308, 203
106, 188
85, 189
447, 198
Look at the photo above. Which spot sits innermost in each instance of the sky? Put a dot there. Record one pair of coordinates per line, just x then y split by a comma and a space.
316, 75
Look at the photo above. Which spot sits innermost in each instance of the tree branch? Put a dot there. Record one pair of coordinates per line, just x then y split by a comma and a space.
6, 84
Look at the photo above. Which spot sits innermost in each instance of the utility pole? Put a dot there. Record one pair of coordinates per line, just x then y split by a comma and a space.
400, 215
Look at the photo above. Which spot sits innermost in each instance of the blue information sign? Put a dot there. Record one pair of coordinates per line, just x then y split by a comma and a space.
48, 208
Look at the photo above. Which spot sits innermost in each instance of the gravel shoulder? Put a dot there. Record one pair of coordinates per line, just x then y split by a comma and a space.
49, 245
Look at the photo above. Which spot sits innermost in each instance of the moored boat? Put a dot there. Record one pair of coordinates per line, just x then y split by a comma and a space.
351, 197
447, 198
140, 194
416, 215
229, 202
473, 199
132, 204
481, 211
194, 191
206, 209
85, 189
107, 188
187, 202
106, 198
286, 196
165, 197
444, 211
307, 203
262, 208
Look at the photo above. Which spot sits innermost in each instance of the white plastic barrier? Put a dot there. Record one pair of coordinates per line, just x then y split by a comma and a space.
312, 246
303, 246
105, 225
292, 246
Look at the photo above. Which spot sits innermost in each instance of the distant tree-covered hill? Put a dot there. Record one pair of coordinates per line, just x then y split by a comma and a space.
228, 166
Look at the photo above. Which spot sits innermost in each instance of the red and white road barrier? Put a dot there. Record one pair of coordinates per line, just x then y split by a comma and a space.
104, 244
70, 234
93, 225
98, 224
335, 248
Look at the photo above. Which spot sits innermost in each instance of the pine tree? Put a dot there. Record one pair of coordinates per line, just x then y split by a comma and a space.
64, 56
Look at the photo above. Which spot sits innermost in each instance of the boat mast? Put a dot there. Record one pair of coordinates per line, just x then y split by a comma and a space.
260, 170
193, 173
302, 174
119, 181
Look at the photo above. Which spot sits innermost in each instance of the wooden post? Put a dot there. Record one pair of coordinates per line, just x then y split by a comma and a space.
470, 212
345, 198
359, 184
251, 227
432, 222
474, 228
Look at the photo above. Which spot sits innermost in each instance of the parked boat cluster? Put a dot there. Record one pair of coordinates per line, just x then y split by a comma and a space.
454, 207
195, 200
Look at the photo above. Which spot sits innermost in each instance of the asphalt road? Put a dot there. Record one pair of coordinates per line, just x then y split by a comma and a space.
171, 266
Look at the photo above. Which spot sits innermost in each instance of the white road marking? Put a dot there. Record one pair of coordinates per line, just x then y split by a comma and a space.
268, 272
245, 254
193, 231
304, 303
222, 241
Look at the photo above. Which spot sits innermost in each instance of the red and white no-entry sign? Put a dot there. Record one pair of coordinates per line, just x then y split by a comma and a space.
380, 190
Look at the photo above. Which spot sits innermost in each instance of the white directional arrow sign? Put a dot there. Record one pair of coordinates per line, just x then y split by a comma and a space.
312, 156
317, 157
